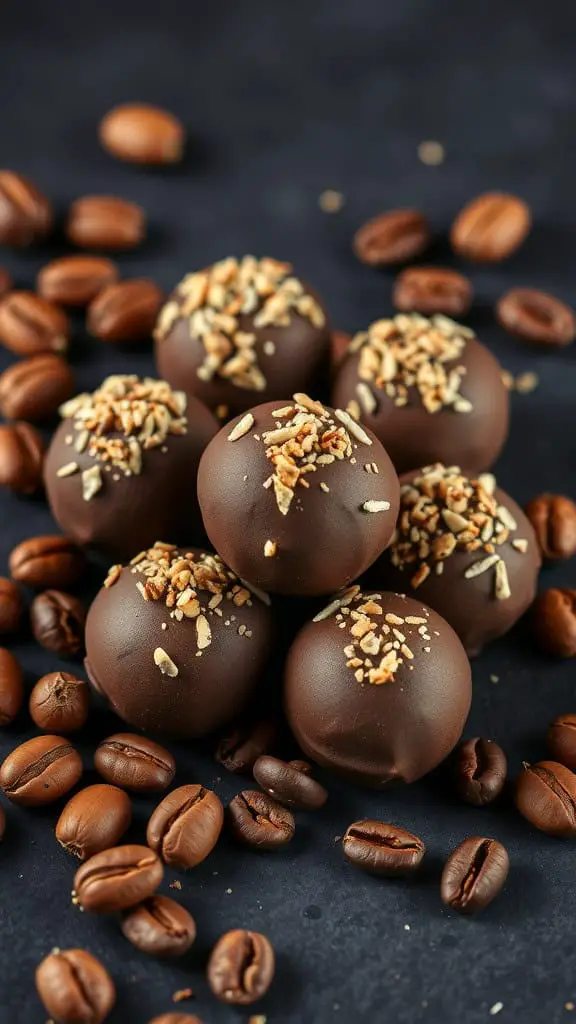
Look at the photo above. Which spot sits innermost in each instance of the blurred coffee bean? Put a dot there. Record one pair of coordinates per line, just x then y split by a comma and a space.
142, 134
25, 214
30, 325
45, 562
554, 621
126, 311
35, 388
491, 227
537, 317
11, 606
105, 223
21, 457
11, 687
76, 280
553, 517
396, 236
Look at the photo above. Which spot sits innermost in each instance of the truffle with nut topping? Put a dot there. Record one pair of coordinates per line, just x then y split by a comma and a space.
377, 687
296, 497
121, 469
428, 389
465, 548
176, 642
241, 332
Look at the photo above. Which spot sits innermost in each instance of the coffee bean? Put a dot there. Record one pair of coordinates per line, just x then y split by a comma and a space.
11, 687
105, 222
6, 282
393, 237
257, 820
93, 820
179, 1018
474, 874
382, 849
11, 606
431, 290
546, 795
159, 926
239, 750
134, 762
185, 826
58, 622
76, 280
34, 388
490, 227
30, 325
74, 987
21, 457
25, 214
40, 771
142, 134
553, 518
126, 311
50, 561
537, 317
241, 967
562, 740
288, 785
59, 703
481, 768
554, 621
117, 878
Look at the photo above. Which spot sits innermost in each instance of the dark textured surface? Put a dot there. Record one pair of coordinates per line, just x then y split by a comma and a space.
283, 101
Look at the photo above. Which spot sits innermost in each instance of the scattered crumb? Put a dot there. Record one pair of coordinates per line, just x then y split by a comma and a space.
406, 927
228, 892
569, 1006
260, 1018
331, 201
221, 411
526, 383
431, 152
494, 679
176, 885
496, 1009
182, 994
337, 839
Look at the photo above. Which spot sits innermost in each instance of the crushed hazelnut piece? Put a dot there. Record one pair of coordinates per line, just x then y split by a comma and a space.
165, 663
270, 549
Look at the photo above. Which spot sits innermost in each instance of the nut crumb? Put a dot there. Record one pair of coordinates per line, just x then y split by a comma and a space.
165, 663
182, 994
496, 1009
175, 885
331, 201
431, 153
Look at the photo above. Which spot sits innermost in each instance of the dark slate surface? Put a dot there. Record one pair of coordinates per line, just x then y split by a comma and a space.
284, 101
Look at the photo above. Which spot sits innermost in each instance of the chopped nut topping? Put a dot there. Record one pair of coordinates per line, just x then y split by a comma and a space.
368, 637
242, 427
68, 470
376, 506
270, 549
442, 512
215, 301
91, 482
165, 663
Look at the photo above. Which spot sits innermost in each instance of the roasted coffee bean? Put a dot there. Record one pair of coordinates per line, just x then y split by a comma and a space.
6, 282
554, 621
474, 874
239, 750
117, 878
553, 518
21, 457
481, 768
59, 703
76, 280
382, 849
257, 820
185, 826
490, 227
58, 622
134, 762
241, 967
126, 311
536, 316
178, 1018
288, 785
11, 687
562, 740
142, 134
431, 290
30, 325
105, 222
393, 237
35, 388
50, 561
40, 771
74, 987
93, 820
546, 795
11, 606
25, 214
159, 926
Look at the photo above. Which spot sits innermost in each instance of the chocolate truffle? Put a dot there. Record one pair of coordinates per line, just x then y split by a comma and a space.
428, 389
176, 642
121, 469
242, 332
465, 548
377, 687
296, 497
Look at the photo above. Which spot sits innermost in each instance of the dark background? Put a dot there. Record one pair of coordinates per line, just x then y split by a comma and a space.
284, 100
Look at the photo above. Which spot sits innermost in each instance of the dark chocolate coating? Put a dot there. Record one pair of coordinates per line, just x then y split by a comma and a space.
374, 734
324, 542
469, 605
300, 363
122, 632
413, 437
130, 514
